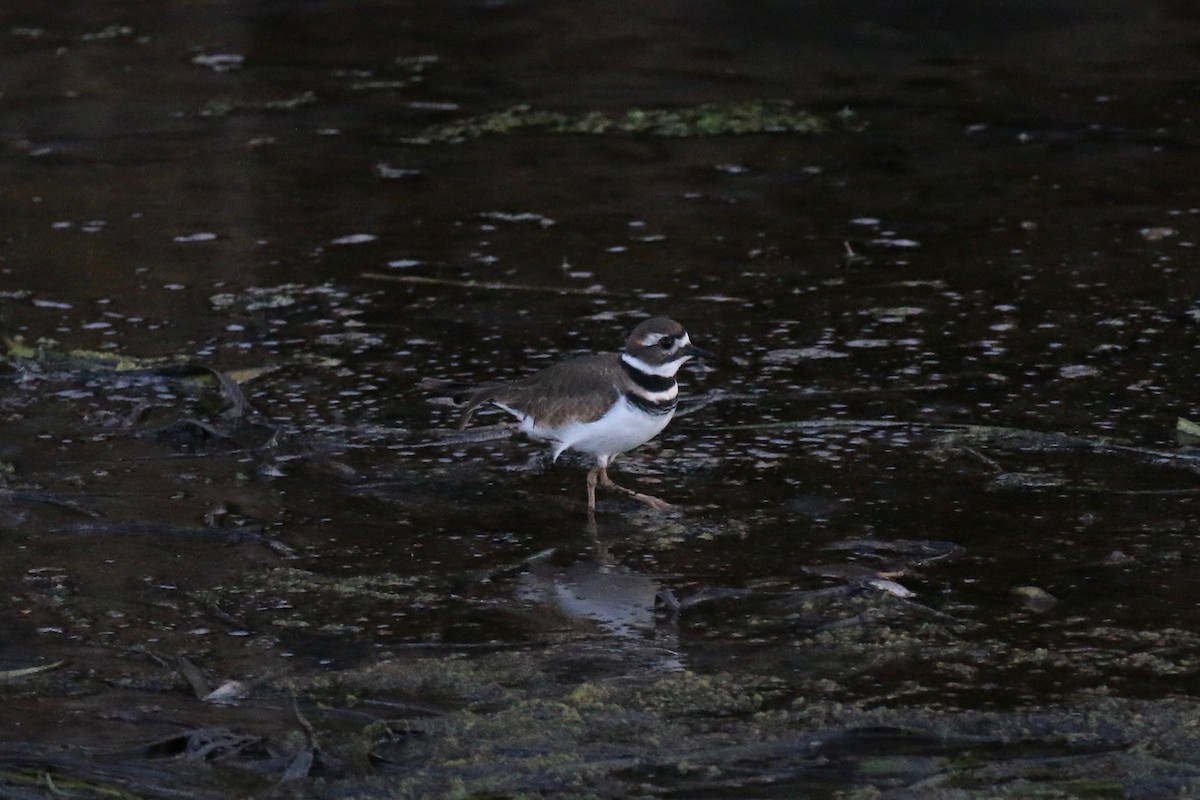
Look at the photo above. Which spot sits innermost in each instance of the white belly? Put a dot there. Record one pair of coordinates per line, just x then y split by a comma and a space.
623, 428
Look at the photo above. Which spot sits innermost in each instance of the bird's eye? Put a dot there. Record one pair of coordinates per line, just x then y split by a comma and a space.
666, 342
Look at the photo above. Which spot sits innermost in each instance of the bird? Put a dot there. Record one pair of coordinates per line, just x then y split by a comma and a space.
601, 405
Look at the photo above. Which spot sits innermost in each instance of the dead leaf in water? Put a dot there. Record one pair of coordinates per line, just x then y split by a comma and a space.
1187, 431
229, 693
1035, 598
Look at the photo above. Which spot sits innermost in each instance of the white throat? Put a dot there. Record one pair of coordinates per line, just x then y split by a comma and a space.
666, 370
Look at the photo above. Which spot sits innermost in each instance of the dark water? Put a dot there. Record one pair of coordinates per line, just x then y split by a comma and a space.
991, 241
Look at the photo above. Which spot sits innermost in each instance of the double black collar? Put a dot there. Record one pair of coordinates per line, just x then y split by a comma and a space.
647, 381
645, 385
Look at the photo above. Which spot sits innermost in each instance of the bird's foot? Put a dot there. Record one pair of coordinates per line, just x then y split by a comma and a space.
608, 483
657, 503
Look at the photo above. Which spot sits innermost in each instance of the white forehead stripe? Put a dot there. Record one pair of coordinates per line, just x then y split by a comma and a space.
652, 339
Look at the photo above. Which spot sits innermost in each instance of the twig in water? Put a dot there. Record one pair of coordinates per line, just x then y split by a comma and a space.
498, 286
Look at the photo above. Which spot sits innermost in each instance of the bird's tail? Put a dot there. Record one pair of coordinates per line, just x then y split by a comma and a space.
461, 394
477, 398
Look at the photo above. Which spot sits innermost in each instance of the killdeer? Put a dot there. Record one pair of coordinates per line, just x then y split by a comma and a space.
602, 405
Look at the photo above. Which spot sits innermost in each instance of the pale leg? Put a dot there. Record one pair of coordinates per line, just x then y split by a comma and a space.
591, 484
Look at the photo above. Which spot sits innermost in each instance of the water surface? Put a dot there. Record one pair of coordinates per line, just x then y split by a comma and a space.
934, 527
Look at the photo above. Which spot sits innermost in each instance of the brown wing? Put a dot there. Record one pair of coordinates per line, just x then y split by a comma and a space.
581, 389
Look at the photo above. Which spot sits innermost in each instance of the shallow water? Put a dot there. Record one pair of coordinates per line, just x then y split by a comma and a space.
934, 521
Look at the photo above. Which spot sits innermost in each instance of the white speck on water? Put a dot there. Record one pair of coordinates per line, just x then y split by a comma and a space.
395, 173
897, 243
50, 304
1157, 234
404, 263
202, 236
174, 287
355, 238
894, 313
524, 216
1078, 371
219, 62
791, 355
424, 105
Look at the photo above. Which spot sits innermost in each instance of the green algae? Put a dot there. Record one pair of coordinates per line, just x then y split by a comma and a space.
225, 106
507, 724
289, 581
51, 353
690, 693
708, 119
